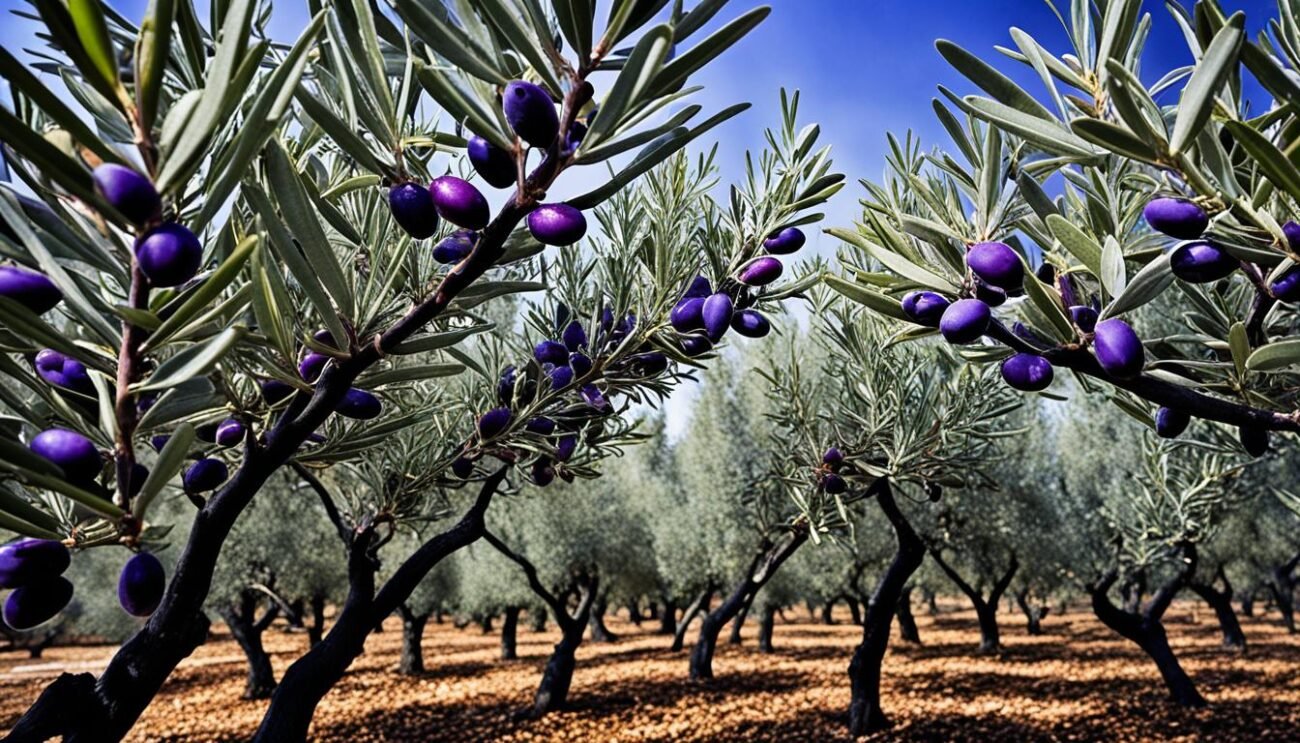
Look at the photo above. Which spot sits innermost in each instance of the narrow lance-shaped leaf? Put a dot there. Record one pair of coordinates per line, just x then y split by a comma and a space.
1198, 97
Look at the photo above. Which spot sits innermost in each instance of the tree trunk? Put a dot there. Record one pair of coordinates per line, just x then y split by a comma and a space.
634, 612
986, 609
700, 603
241, 617
1282, 586
766, 562
766, 622
855, 611
553, 692
828, 610
485, 624
297, 608
412, 660
537, 619
667, 617
1033, 614
931, 601
1248, 601
596, 622
1221, 603
316, 630
907, 630
736, 624
509, 630
990, 639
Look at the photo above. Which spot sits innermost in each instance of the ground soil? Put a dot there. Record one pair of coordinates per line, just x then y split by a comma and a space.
1076, 682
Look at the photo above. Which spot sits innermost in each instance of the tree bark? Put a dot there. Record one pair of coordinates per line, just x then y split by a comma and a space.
1033, 614
828, 610
734, 638
1221, 603
986, 609
316, 630
241, 617
855, 611
537, 619
596, 622
766, 562
701, 603
667, 617
907, 630
766, 623
865, 713
412, 660
509, 632
634, 612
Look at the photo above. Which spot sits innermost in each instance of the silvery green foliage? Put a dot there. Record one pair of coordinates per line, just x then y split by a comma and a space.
488, 583
442, 589
1094, 132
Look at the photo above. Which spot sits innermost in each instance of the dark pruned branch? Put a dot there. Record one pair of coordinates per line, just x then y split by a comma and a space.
326, 500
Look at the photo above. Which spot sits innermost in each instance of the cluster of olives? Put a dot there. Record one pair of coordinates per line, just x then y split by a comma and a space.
828, 474
531, 114
34, 569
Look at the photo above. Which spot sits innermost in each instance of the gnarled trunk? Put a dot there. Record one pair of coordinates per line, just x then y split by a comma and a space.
509, 630
1033, 614
412, 660
1221, 603
766, 622
700, 604
855, 610
634, 614
596, 623
986, 609
667, 617
828, 610
734, 638
241, 617
907, 630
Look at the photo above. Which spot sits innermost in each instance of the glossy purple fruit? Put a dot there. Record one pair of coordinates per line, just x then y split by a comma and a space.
688, 314
1201, 262
1046, 273
230, 432
455, 247
158, 442
997, 265
761, 271
312, 365
274, 391
1287, 287
750, 323
413, 210
1171, 423
833, 458
580, 363
1027, 372
574, 336
693, 345
834, 484
565, 447
140, 586
557, 224
128, 191
551, 352
30, 289
561, 377
531, 113
205, 474
540, 425
785, 241
700, 287
462, 467
359, 404
543, 473
1084, 317
493, 164
169, 254
493, 422
1118, 348
648, 364
1253, 440
28, 561
964, 321
72, 452
63, 371
717, 315
506, 385
925, 308
139, 474
573, 139
459, 202
1177, 218
37, 603
1291, 231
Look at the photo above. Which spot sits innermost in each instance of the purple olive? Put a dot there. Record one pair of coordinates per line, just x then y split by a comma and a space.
506, 385
1201, 262
717, 315
1170, 422
997, 265
1119, 350
565, 447
459, 202
141, 584
1046, 273
925, 308
833, 458
648, 364
63, 371
1027, 372
990, 295
128, 191
1177, 218
964, 321
359, 405
580, 363
592, 395
1084, 317
27, 561
205, 474
158, 442
561, 377
785, 241
37, 603
462, 467
1253, 440
274, 391
413, 210
834, 484
557, 224
72, 452
543, 473
750, 323
761, 271
574, 336
312, 365
230, 432
169, 254
493, 422
700, 287
531, 113
32, 290
540, 425
455, 247
493, 164
1291, 231
693, 345
573, 139
688, 314
1287, 287
551, 352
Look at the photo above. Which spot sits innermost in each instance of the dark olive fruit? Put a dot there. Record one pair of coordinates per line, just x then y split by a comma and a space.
565, 447
551, 352
997, 265
506, 385
785, 241
751, 324
1291, 231
206, 432
648, 364
1178, 218
1201, 262
493, 164
1027, 372
37, 603
761, 271
964, 321
700, 287
1253, 440
574, 336
459, 202
462, 467
924, 308
580, 363
1287, 287
531, 113
1118, 348
140, 586
561, 377
693, 345
540, 425
158, 442
717, 315
933, 491
139, 474
688, 314
325, 337
72, 452
493, 422
543, 473
1084, 317
1170, 423
834, 484
455, 247
990, 295
169, 254
205, 474
63, 371
230, 432
592, 395
556, 224
32, 290
1046, 273
833, 458
128, 191
274, 391
27, 561
359, 405
312, 365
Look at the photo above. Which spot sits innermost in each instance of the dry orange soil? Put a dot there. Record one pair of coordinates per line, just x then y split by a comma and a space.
1077, 682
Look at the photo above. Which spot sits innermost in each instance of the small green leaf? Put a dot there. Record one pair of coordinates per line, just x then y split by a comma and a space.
437, 341
410, 374
170, 460
991, 81
1239, 344
676, 72
1216, 64
1113, 275
1076, 242
1146, 285
192, 362
876, 301
152, 51
1275, 356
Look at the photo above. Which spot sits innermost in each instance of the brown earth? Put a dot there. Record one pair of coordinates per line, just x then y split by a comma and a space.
1077, 682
